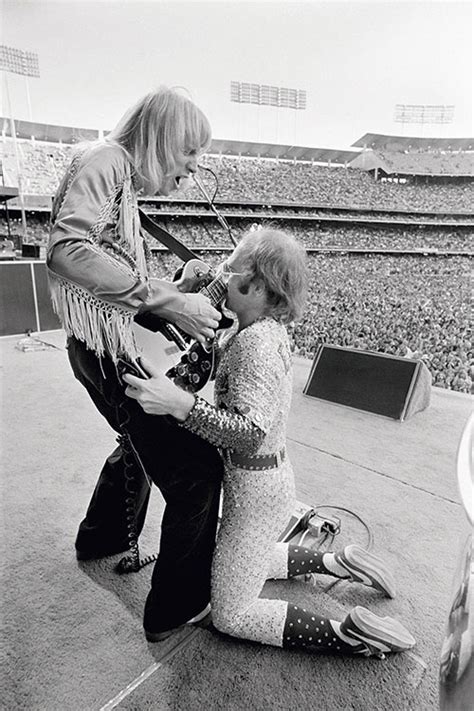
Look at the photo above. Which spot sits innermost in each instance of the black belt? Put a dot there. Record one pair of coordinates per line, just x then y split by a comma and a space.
256, 462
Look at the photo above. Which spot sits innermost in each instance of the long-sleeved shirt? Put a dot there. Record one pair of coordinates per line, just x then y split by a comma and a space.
97, 257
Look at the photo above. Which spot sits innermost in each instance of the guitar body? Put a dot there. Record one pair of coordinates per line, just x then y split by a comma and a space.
188, 363
157, 348
195, 368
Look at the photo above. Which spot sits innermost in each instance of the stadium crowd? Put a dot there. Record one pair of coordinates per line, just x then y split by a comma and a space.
201, 233
266, 180
401, 304
375, 237
397, 304
42, 165
428, 163
284, 210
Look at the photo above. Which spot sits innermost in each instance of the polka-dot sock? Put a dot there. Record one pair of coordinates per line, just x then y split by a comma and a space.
304, 560
306, 629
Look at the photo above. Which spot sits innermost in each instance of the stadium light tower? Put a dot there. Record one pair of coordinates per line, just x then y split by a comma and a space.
17, 61
264, 95
424, 114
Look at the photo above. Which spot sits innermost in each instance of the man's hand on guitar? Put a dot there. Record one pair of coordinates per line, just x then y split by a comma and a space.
191, 312
158, 395
197, 317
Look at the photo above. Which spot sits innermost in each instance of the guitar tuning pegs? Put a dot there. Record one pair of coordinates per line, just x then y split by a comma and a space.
195, 378
181, 369
205, 366
193, 357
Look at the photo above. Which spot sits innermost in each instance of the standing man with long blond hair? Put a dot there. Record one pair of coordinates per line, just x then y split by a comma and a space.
97, 262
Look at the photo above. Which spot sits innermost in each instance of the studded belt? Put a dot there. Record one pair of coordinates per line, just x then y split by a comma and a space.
256, 462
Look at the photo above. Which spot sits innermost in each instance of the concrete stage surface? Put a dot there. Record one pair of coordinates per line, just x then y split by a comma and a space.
73, 635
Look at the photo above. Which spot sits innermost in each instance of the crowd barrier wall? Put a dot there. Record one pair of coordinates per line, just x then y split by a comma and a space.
24, 298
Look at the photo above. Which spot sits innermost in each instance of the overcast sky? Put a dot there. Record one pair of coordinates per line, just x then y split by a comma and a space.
355, 60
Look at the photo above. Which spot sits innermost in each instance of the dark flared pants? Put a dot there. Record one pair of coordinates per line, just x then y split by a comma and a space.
188, 472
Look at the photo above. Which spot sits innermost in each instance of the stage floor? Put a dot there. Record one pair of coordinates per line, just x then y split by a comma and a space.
73, 636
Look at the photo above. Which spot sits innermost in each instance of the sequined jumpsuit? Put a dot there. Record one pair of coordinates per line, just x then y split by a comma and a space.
252, 394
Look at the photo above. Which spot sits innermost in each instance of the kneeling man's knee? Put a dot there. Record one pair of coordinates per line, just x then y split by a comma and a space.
224, 619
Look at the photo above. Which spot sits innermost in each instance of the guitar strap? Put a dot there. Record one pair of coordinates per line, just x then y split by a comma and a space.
163, 236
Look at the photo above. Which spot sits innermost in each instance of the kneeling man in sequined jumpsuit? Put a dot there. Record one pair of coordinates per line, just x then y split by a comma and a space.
266, 280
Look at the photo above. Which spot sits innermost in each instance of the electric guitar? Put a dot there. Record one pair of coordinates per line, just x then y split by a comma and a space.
162, 342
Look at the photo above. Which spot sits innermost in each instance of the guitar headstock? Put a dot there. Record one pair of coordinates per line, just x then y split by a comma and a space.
195, 276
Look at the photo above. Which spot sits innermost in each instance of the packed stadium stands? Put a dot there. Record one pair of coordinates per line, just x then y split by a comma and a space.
396, 304
204, 232
390, 244
263, 180
436, 164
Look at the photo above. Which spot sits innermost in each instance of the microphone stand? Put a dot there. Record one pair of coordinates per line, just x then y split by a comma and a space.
221, 219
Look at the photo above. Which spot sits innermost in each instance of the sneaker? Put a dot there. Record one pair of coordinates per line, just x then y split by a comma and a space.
366, 568
377, 635
200, 617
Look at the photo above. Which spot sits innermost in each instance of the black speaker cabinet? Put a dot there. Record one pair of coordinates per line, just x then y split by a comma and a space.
30, 251
375, 382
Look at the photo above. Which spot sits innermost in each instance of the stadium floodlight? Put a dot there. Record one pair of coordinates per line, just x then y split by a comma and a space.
26, 64
265, 95
424, 113
17, 61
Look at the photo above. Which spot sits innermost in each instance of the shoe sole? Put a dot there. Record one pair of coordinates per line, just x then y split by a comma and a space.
200, 619
160, 636
382, 633
367, 568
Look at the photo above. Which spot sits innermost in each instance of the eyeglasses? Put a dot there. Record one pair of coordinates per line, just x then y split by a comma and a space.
225, 272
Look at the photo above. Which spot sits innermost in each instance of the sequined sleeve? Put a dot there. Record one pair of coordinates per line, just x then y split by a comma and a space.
222, 428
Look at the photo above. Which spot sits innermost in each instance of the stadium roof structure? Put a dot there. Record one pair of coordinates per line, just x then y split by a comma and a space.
48, 132
246, 149
413, 143
249, 149
7, 193
399, 163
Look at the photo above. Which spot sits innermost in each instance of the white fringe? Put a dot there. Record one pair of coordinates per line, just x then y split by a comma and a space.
105, 330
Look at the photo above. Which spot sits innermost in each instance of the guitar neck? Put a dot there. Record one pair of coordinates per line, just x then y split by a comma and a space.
216, 291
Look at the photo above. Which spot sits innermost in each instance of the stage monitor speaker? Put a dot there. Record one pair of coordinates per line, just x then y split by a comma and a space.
374, 382
30, 251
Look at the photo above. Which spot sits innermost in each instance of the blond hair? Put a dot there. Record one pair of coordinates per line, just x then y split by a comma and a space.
278, 261
159, 127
